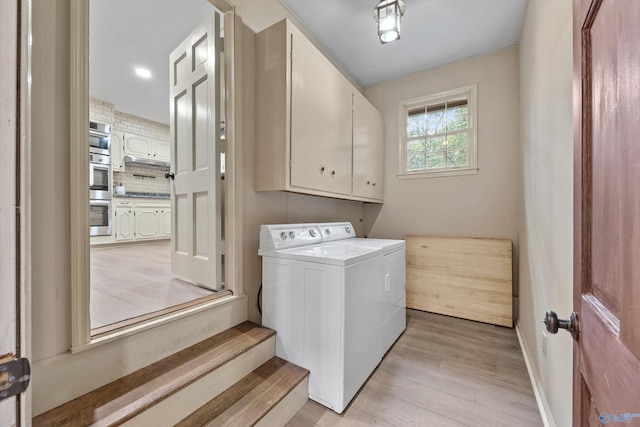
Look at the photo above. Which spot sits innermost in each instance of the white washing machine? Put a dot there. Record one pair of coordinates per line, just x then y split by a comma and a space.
325, 295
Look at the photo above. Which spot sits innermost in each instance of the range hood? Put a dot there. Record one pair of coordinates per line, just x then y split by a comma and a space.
147, 161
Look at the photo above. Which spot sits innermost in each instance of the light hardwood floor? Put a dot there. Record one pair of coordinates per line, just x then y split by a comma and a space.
442, 371
134, 280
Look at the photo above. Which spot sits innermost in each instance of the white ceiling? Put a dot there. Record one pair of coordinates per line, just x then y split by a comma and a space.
125, 34
433, 33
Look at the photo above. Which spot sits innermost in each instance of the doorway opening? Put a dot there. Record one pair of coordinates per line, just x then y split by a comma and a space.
133, 274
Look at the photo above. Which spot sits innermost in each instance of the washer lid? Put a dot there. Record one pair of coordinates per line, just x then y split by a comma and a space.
332, 253
387, 245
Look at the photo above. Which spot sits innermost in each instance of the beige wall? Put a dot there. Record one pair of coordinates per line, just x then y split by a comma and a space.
482, 205
546, 195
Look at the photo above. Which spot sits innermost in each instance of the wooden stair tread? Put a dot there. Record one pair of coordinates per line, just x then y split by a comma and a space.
251, 398
132, 394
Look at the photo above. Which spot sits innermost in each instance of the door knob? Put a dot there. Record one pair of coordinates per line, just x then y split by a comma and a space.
169, 175
553, 323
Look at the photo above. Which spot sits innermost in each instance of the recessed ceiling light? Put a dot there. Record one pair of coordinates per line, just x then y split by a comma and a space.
143, 72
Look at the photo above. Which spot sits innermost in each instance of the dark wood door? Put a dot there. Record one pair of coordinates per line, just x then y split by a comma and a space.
607, 212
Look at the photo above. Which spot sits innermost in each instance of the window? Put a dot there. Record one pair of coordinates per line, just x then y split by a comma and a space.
438, 134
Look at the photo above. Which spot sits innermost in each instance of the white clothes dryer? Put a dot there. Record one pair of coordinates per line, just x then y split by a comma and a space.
325, 295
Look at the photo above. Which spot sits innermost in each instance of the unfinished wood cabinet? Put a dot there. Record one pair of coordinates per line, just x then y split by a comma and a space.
461, 277
305, 120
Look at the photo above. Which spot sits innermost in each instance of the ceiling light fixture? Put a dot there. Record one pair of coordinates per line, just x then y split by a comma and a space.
387, 15
143, 72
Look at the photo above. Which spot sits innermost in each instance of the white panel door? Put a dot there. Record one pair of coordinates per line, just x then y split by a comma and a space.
195, 136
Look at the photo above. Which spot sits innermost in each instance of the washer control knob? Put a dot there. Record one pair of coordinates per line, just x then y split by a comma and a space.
283, 235
292, 235
312, 233
348, 230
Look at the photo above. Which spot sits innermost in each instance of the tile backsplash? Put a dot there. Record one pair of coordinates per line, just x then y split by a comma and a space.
140, 178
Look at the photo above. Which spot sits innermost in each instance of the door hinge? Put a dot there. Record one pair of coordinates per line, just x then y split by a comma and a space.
222, 246
14, 377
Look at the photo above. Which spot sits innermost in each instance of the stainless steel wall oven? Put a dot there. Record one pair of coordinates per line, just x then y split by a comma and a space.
99, 138
100, 179
99, 217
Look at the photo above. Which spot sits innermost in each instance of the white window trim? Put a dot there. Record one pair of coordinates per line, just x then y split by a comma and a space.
405, 106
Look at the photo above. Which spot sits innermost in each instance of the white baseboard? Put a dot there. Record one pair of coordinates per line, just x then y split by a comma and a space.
538, 391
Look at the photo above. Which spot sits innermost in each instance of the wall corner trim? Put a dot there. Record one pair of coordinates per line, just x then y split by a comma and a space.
538, 391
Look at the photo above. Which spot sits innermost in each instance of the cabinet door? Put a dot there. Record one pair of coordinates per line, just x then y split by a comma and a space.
320, 121
117, 154
147, 223
165, 222
368, 150
137, 145
125, 224
161, 149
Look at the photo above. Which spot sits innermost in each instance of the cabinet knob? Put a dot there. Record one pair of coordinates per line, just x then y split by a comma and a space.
333, 173
374, 184
368, 182
169, 175
322, 169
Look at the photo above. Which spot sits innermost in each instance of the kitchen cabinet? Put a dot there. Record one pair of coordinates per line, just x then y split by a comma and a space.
142, 219
305, 122
164, 221
117, 151
144, 146
147, 223
368, 150
125, 223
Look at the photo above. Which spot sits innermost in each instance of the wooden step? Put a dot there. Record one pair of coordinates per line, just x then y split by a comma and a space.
251, 399
220, 361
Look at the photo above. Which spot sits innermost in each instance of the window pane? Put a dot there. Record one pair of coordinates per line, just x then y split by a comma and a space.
415, 147
457, 118
436, 122
436, 144
416, 125
436, 160
457, 141
457, 158
415, 162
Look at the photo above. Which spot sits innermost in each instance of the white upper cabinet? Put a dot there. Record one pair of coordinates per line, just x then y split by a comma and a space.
305, 122
368, 150
117, 154
144, 146
135, 145
320, 121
